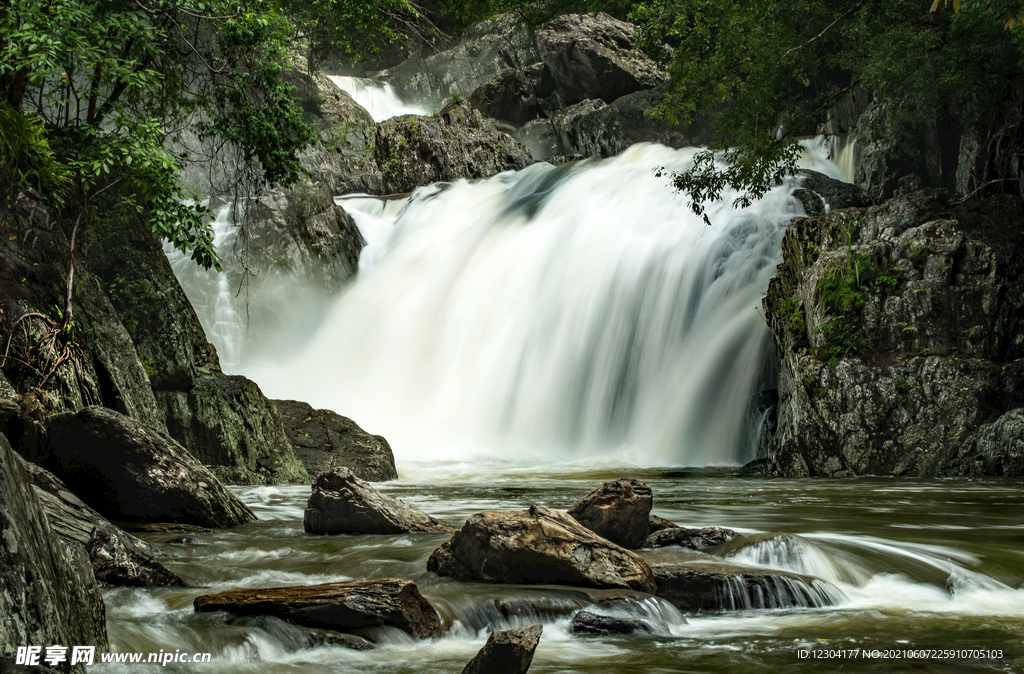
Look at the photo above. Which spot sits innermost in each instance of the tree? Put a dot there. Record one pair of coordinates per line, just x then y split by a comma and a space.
765, 73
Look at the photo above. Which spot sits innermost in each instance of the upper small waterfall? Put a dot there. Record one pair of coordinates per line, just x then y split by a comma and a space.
378, 98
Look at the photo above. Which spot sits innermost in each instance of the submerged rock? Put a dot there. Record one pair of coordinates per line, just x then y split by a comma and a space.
617, 511
47, 591
458, 143
704, 586
589, 623
694, 539
343, 607
324, 440
538, 546
341, 503
131, 472
507, 651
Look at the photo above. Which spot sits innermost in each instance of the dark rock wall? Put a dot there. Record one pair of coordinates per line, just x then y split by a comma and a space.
48, 595
919, 373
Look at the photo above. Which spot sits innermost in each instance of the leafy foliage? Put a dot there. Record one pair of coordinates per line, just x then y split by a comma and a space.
107, 80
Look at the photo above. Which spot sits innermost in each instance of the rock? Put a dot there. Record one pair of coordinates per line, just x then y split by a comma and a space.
47, 591
591, 127
589, 623
458, 143
507, 651
343, 504
509, 97
694, 539
229, 425
324, 440
921, 377
117, 557
703, 586
656, 524
818, 193
342, 607
128, 471
484, 50
592, 56
538, 546
617, 511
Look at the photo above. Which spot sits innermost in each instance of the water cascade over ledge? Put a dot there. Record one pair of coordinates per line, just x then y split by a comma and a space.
563, 313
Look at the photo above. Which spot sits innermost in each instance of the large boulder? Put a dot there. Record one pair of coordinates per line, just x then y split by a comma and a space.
130, 472
537, 546
341, 503
899, 330
343, 607
506, 651
47, 591
592, 56
458, 143
509, 98
694, 539
703, 586
229, 425
618, 511
324, 440
117, 557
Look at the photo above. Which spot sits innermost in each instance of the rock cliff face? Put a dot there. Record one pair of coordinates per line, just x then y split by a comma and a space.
48, 594
899, 330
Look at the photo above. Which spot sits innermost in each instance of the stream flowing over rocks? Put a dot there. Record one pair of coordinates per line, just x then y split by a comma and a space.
484, 261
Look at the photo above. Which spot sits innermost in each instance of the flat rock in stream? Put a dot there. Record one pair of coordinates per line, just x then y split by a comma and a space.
132, 472
506, 651
617, 510
694, 539
709, 586
341, 503
538, 546
656, 524
342, 607
590, 624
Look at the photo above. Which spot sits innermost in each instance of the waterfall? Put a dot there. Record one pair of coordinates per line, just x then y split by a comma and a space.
378, 98
576, 313
211, 294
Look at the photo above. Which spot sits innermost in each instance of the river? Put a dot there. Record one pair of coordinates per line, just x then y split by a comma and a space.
919, 563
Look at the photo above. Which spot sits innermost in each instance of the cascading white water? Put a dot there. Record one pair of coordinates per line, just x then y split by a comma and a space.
554, 313
378, 98
211, 294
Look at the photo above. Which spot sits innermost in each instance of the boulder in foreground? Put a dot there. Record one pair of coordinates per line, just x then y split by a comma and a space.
132, 472
342, 607
538, 546
618, 511
343, 504
704, 586
507, 651
324, 440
